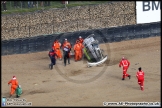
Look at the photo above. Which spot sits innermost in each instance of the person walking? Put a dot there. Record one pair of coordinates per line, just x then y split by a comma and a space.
52, 54
67, 43
14, 85
140, 77
18, 91
66, 52
125, 64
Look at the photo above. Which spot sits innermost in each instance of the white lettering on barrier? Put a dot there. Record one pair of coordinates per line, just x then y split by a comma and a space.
148, 11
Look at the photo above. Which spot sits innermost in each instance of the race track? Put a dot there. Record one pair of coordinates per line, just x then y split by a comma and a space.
78, 85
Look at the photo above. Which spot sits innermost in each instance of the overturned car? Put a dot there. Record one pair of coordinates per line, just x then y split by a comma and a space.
92, 51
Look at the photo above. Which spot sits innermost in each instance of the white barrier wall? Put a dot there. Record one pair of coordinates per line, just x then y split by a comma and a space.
148, 11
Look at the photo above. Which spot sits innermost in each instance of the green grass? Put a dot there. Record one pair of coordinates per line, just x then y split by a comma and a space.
54, 4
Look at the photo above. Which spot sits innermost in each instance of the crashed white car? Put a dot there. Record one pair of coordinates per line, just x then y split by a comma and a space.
92, 51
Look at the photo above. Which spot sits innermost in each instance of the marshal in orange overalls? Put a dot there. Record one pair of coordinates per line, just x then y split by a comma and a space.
56, 47
77, 51
81, 50
14, 85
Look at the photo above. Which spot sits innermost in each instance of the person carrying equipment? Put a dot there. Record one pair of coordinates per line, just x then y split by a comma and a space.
14, 85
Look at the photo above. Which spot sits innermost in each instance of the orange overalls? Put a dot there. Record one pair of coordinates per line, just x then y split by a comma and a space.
56, 47
81, 50
82, 46
77, 50
14, 84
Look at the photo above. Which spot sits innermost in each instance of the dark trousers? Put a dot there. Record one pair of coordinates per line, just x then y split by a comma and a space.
66, 57
53, 60
4, 6
17, 96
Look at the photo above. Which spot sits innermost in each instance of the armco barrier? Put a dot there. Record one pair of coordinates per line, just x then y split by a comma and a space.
115, 34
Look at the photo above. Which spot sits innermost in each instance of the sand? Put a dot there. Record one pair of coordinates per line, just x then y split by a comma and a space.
79, 85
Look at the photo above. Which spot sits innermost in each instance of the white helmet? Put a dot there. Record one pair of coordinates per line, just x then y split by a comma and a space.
123, 58
80, 37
